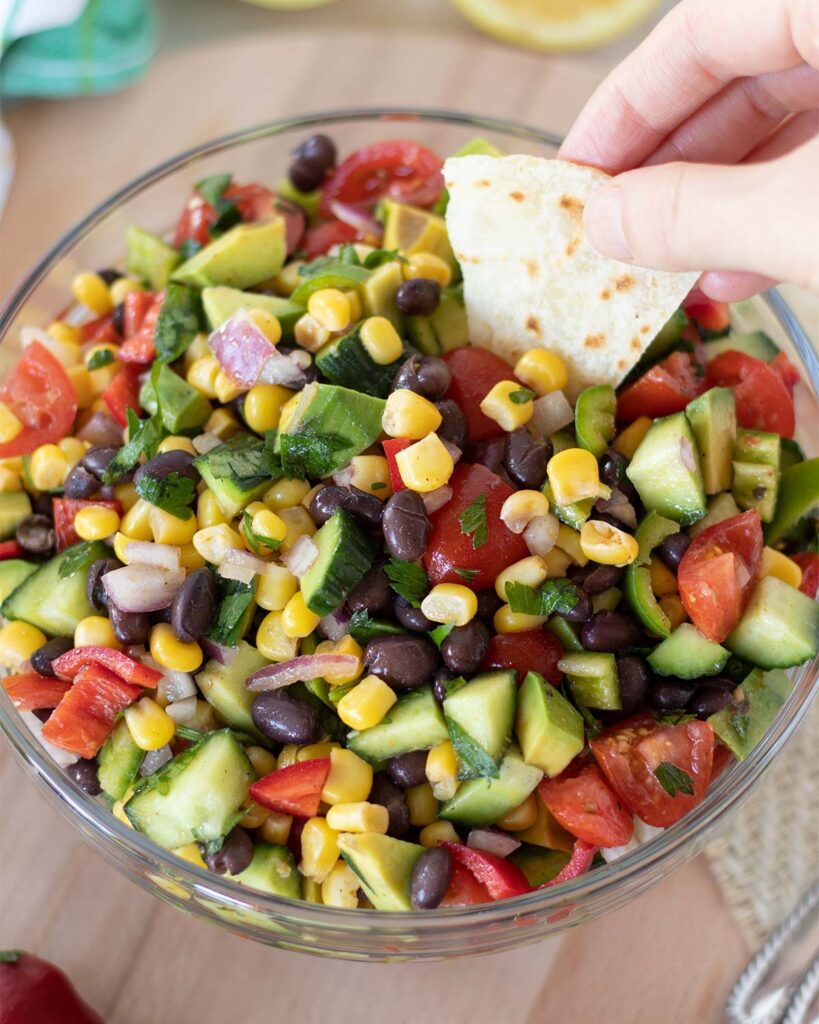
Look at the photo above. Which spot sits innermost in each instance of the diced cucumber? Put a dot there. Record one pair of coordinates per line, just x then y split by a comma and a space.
196, 796
53, 604
539, 864
415, 722
220, 303
273, 869
345, 361
223, 687
480, 717
346, 552
484, 801
592, 678
755, 487
713, 420
743, 723
666, 470
14, 507
720, 507
798, 494
12, 573
549, 729
688, 654
119, 762
756, 344
780, 627
149, 258
384, 865
235, 472
594, 418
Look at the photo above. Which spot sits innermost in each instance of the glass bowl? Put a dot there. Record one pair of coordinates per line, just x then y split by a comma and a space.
154, 201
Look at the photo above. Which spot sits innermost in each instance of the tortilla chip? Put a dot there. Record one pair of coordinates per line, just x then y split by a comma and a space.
532, 280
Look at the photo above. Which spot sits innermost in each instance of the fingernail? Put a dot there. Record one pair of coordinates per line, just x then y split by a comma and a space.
603, 221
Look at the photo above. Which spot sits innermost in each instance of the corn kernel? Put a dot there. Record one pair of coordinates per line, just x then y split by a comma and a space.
330, 308
214, 542
208, 512
255, 815
170, 529
521, 508
556, 562
149, 725
120, 542
541, 533
319, 849
359, 817
136, 522
285, 493
606, 544
18, 641
176, 443
267, 524
366, 704
122, 287
371, 474
299, 523
272, 640
198, 349
202, 374
92, 292
531, 572
276, 828
542, 371
409, 415
95, 522
381, 340
173, 653
573, 475
10, 426
263, 406
225, 387
673, 609
311, 890
340, 887
67, 334
274, 587
356, 309
95, 631
568, 540
428, 265
423, 807
501, 405
774, 563
73, 449
47, 467
521, 817
296, 618
287, 755
288, 278
426, 465
507, 621
314, 750
118, 810
126, 495
267, 324
442, 770
663, 580
347, 645
628, 441
350, 779
81, 382
262, 760
450, 602
9, 480
438, 832
189, 558
190, 852
310, 334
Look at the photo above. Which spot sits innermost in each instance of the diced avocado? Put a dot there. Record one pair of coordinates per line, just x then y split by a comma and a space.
243, 256
484, 801
666, 470
119, 762
411, 229
235, 472
756, 343
754, 704
53, 604
194, 797
687, 654
798, 494
12, 573
592, 678
347, 362
183, 407
149, 258
594, 418
384, 865
755, 486
480, 717
415, 722
720, 507
308, 201
273, 869
346, 552
379, 290
14, 507
328, 427
223, 687
780, 627
220, 303
539, 864
546, 831
549, 729
713, 419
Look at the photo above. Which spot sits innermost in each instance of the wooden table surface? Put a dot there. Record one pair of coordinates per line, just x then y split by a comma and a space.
670, 956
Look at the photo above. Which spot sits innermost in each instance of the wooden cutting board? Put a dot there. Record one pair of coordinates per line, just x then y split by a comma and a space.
670, 956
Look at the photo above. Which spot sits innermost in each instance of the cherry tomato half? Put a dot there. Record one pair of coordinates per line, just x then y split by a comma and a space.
400, 170
809, 564
533, 650
318, 240
40, 394
763, 400
474, 373
253, 202
582, 801
664, 389
712, 316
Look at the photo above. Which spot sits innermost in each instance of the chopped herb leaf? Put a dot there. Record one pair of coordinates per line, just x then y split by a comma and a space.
673, 779
440, 633
467, 575
337, 692
145, 436
76, 558
179, 321
234, 600
675, 718
212, 188
10, 956
227, 214
173, 493
348, 256
473, 520
190, 247
187, 733
308, 454
378, 257
257, 540
379, 485
102, 357
551, 596
271, 460
521, 396
593, 725
363, 628
407, 579
240, 459
741, 724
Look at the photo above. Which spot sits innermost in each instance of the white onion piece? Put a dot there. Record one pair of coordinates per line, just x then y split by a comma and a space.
176, 686
203, 443
642, 834
550, 413
301, 358
433, 500
335, 625
154, 759
279, 369
145, 552
63, 757
299, 670
240, 565
540, 535
454, 451
142, 588
183, 712
344, 477
101, 429
300, 557
356, 218
492, 841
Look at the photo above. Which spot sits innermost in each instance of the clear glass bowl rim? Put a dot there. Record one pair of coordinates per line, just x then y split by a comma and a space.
732, 786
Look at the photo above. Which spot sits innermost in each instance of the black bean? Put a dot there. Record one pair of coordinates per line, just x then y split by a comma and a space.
708, 700
94, 590
670, 694
406, 525
634, 677
366, 508
373, 594
35, 535
97, 459
43, 505
613, 467
425, 375
465, 648
610, 631
582, 608
440, 684
525, 458
402, 661
234, 855
487, 453
594, 578
418, 297
604, 517
409, 617
285, 719
165, 463
430, 878
488, 604
84, 774
50, 651
306, 174
164, 615
118, 319
194, 606
318, 147
408, 770
43, 714
385, 792
723, 682
109, 275
80, 484
130, 628
453, 426
673, 548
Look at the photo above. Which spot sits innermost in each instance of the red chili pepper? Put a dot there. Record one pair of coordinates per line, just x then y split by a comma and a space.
392, 447
30, 691
64, 511
36, 992
68, 665
579, 863
295, 789
502, 879
10, 549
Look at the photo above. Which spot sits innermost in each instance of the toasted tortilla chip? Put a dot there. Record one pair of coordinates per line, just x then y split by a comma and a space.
532, 280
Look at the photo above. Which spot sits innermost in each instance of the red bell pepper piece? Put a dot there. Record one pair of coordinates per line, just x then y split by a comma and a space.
30, 691
392, 446
69, 665
87, 714
123, 393
502, 879
579, 863
101, 331
64, 511
10, 549
464, 889
36, 992
295, 789
140, 326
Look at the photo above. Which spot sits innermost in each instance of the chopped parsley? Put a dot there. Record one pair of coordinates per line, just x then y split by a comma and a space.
145, 436
212, 188
675, 718
243, 460
408, 580
378, 485
378, 257
102, 357
473, 520
558, 596
190, 247
673, 779
235, 599
180, 320
467, 575
173, 493
364, 628
75, 559
521, 396
740, 724
440, 633
310, 454
257, 540
227, 214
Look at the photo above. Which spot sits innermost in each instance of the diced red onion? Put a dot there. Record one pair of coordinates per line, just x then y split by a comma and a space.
492, 841
454, 451
240, 565
220, 653
101, 429
433, 500
618, 506
550, 413
154, 759
335, 625
203, 443
301, 556
356, 218
142, 588
299, 670
540, 535
242, 348
144, 552
183, 712
344, 477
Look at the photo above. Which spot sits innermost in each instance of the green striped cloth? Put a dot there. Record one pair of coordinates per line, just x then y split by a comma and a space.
57, 48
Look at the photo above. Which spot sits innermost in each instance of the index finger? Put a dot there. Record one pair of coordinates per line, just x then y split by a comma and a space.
691, 55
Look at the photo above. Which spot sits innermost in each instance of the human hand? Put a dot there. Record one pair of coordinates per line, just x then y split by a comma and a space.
719, 110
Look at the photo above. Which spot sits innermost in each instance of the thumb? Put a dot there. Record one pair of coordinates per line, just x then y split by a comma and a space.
752, 217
